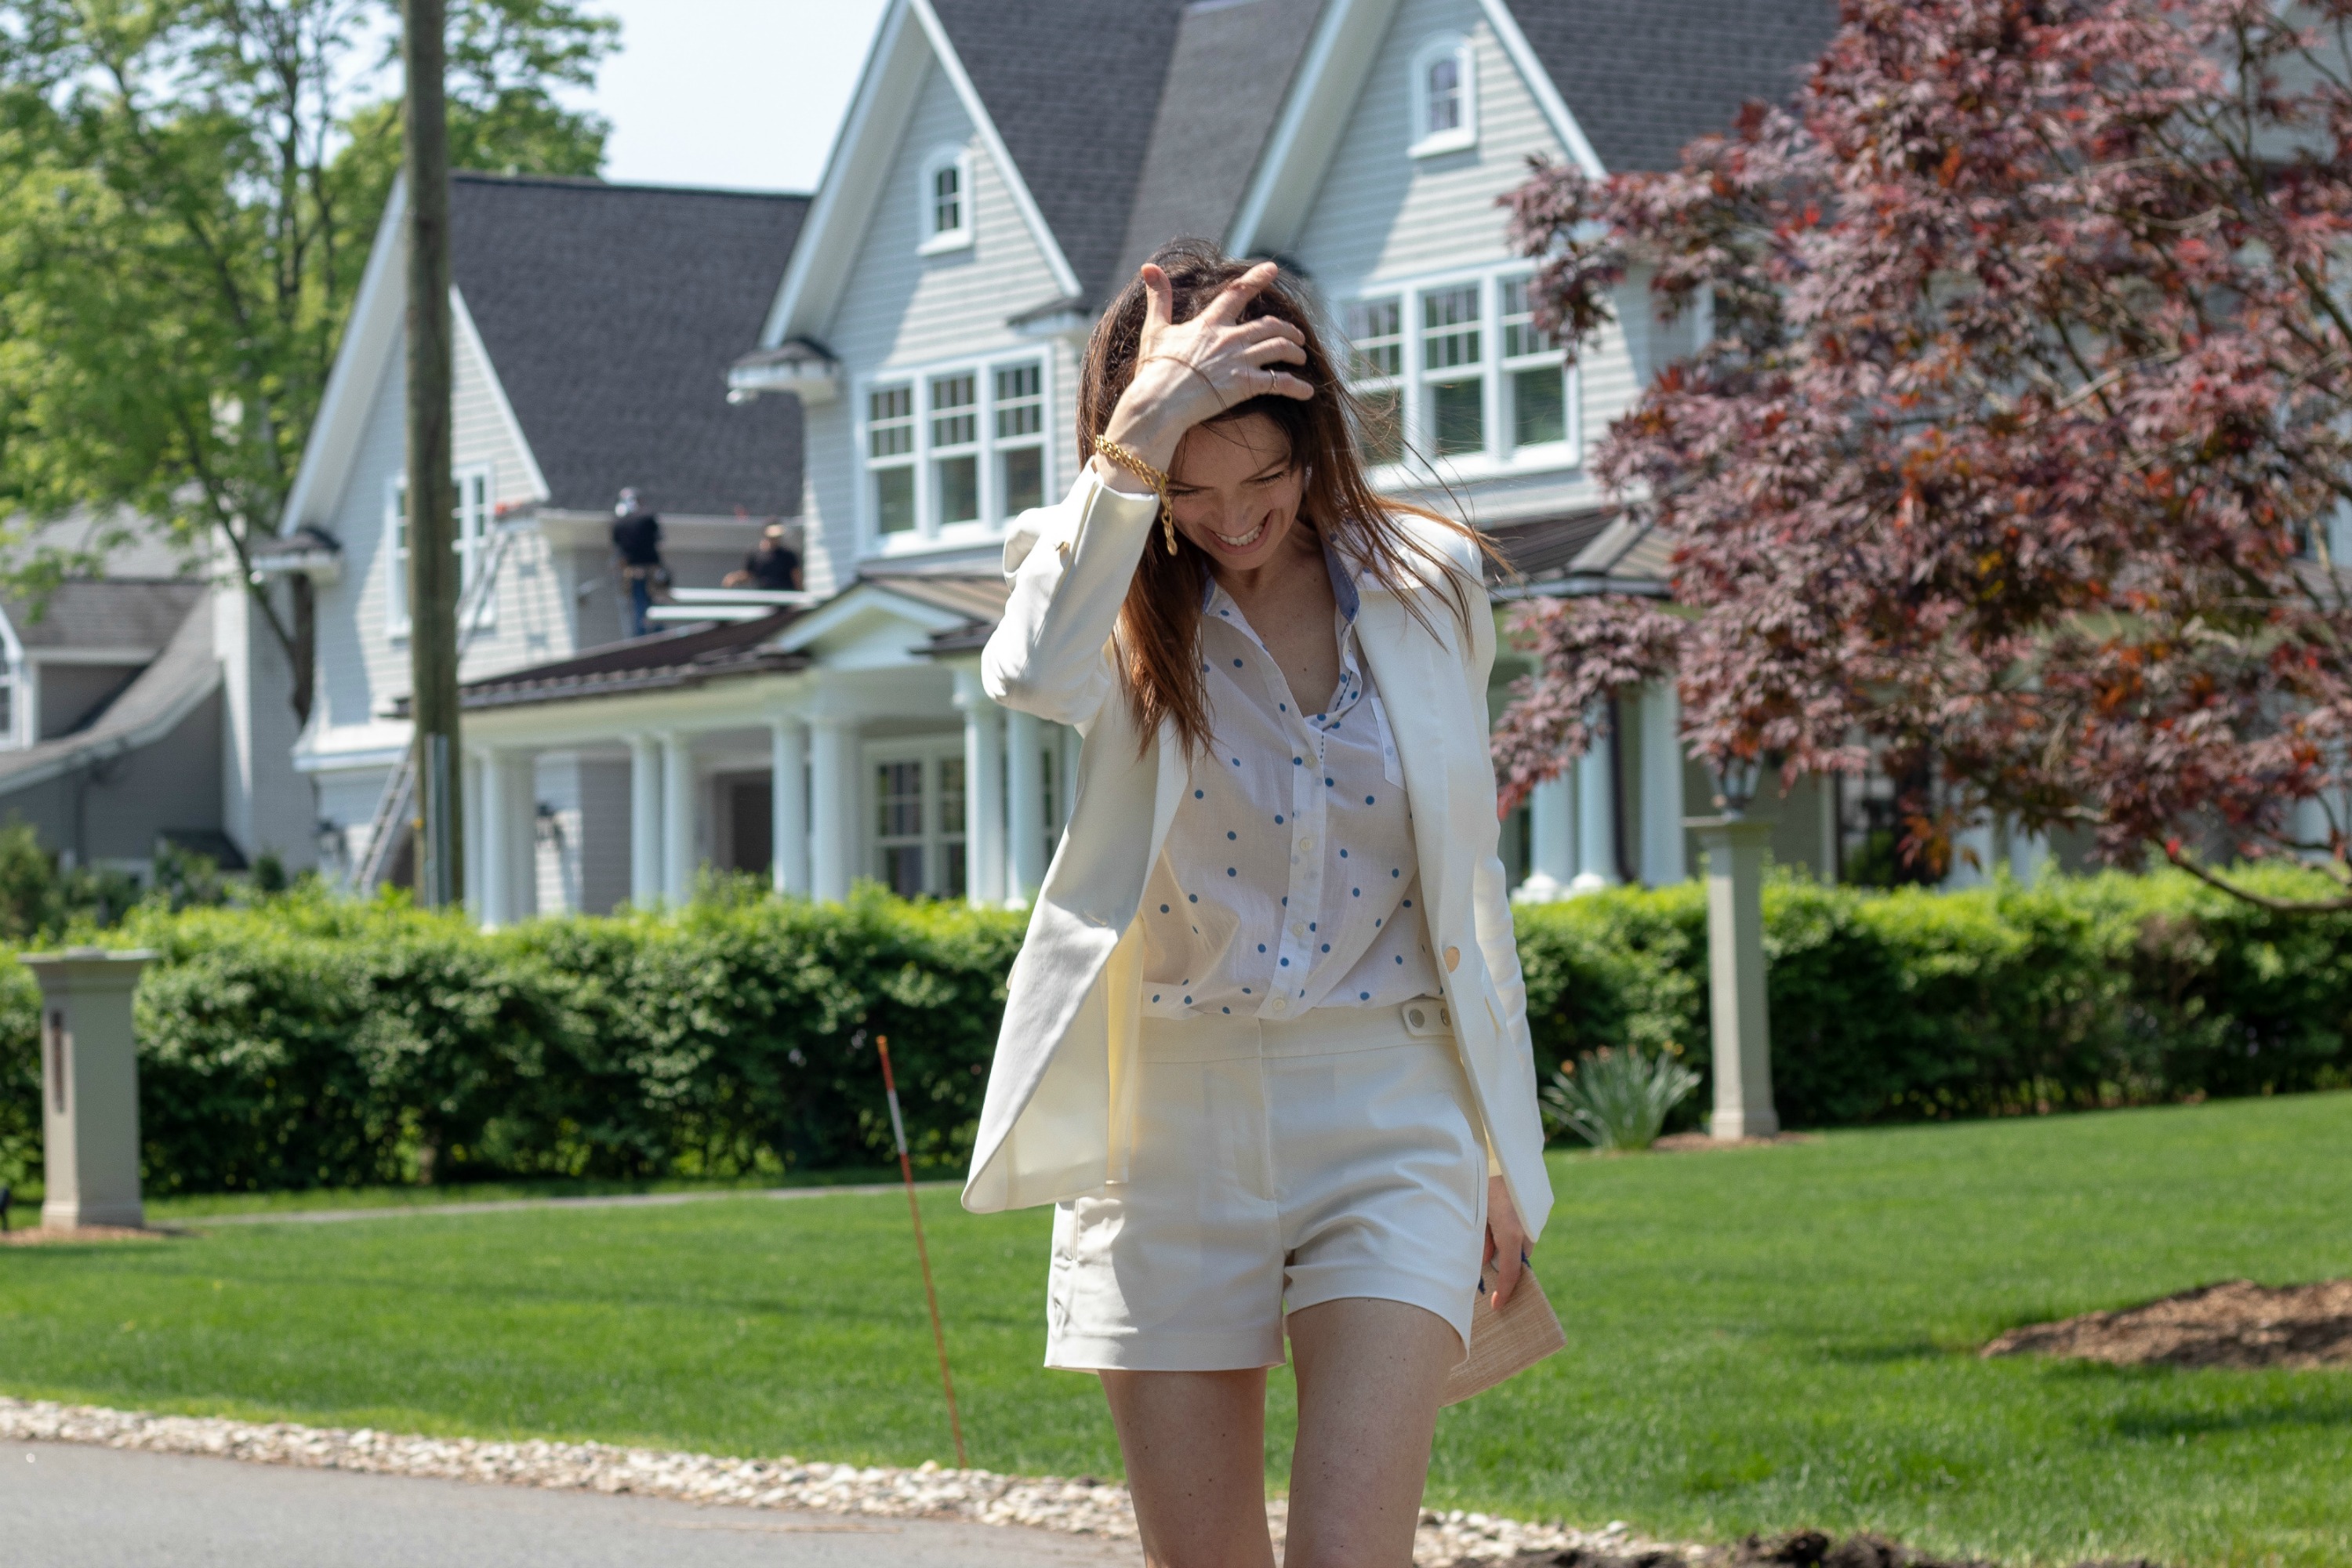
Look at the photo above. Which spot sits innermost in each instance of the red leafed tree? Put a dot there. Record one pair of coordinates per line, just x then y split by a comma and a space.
2023, 434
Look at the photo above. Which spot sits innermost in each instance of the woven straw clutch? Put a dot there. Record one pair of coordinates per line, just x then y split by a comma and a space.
1506, 1344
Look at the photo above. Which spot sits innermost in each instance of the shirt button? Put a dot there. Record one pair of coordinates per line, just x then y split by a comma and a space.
1298, 928
1282, 1004
1308, 842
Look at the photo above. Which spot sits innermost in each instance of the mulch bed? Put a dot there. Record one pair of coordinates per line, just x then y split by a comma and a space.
1804, 1549
41, 1234
1673, 1142
2236, 1324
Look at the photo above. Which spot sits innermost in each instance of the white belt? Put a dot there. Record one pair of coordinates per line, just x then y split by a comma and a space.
1321, 1032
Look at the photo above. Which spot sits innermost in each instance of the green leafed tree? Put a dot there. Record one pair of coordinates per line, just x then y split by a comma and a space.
188, 189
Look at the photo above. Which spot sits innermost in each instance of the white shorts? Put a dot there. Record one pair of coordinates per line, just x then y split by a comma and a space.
1277, 1165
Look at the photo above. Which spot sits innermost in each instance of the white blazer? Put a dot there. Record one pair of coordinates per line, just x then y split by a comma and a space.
1059, 1116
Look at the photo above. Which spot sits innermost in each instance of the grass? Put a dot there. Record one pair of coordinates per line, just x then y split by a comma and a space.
184, 1209
1759, 1339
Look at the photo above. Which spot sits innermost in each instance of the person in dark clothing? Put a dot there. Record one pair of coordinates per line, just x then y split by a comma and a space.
771, 563
636, 544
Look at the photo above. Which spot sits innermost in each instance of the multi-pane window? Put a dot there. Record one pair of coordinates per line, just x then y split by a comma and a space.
1534, 380
918, 822
1442, 96
1453, 366
470, 538
1021, 436
891, 455
1376, 356
955, 448
947, 199
1459, 370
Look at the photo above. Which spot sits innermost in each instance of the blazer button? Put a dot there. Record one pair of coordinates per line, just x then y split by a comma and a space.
1452, 958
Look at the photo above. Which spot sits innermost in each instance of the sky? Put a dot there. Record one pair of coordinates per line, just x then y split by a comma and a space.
730, 92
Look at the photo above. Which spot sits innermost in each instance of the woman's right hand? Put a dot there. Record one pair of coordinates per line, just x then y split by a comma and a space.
1186, 372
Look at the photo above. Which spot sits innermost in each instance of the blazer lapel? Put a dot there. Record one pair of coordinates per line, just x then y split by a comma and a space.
1406, 669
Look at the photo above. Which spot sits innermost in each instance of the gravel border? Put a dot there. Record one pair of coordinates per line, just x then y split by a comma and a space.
1082, 1506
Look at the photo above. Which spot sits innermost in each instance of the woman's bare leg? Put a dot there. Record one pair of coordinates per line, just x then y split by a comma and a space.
1195, 1448
1369, 1377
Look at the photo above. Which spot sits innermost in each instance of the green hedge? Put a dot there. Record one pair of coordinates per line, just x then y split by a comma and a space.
315, 1042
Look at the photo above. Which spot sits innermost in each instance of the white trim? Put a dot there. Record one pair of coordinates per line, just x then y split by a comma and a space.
1347, 39
1547, 92
927, 533
885, 98
533, 479
858, 599
1065, 277
937, 241
1463, 135
13, 734
928, 752
369, 336
393, 532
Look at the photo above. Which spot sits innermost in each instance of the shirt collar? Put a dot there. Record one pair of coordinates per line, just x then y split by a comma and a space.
1343, 586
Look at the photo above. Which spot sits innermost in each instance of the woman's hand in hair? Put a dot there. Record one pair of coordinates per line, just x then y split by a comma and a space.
1187, 372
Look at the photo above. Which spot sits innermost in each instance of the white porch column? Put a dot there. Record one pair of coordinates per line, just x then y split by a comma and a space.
1663, 859
469, 790
833, 809
644, 820
1024, 788
1596, 816
495, 876
1551, 841
2028, 852
1972, 857
983, 787
679, 861
788, 804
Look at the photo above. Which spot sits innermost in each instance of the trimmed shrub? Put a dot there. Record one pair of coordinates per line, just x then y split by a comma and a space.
311, 1041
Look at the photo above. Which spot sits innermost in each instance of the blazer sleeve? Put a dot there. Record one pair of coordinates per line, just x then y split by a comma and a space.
1069, 565
1490, 889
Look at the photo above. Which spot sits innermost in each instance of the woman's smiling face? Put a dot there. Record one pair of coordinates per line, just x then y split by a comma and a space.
1235, 490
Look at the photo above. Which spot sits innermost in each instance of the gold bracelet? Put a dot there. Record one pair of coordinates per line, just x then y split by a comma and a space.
1127, 458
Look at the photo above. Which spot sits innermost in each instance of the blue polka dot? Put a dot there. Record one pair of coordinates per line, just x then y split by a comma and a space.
1188, 1001
1363, 995
1376, 925
1343, 854
1230, 834
1286, 963
1277, 819
1229, 1009
1368, 800
1163, 908
1198, 793
1286, 900
1237, 762
1233, 871
1196, 897
1326, 947
1400, 957
1408, 903
1394, 872
1284, 707
1237, 664
1155, 995
1355, 893
1261, 947
1298, 762
1327, 784
1310, 925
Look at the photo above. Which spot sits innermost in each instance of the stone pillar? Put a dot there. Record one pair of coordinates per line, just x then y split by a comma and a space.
678, 859
788, 804
89, 1086
1663, 859
1025, 789
984, 784
644, 820
1596, 815
1735, 963
1551, 840
832, 808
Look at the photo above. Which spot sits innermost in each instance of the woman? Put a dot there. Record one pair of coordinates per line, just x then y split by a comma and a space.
1266, 1043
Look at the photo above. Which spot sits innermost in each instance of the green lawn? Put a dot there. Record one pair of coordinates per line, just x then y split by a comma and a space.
1760, 1339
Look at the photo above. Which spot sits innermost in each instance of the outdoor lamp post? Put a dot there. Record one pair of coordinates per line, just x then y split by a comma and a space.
89, 1086
1742, 1029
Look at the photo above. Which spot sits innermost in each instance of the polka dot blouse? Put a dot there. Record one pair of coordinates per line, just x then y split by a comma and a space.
1289, 880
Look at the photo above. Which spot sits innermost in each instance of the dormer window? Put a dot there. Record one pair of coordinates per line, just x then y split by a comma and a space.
944, 205
1444, 97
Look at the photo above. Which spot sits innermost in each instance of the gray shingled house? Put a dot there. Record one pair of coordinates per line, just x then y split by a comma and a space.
1000, 171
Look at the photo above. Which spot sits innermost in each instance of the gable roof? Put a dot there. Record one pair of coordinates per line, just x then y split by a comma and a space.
1645, 76
157, 700
1230, 65
1065, 88
106, 613
610, 314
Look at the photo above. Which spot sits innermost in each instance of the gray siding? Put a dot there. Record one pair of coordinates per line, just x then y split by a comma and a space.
113, 812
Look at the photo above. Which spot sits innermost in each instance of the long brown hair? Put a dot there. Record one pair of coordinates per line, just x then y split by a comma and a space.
1160, 623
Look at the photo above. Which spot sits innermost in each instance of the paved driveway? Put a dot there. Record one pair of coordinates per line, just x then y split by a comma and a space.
66, 1506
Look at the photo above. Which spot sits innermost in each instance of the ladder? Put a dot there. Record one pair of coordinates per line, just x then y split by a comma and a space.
395, 816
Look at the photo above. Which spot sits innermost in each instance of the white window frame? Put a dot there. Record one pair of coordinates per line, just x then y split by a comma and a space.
1459, 137
1498, 456
15, 732
928, 533
932, 240
932, 753
475, 486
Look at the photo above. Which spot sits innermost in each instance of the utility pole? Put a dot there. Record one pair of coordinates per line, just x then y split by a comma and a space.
433, 566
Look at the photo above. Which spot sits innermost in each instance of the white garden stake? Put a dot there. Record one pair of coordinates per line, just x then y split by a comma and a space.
906, 1170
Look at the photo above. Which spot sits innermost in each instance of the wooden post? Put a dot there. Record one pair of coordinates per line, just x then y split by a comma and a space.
433, 567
